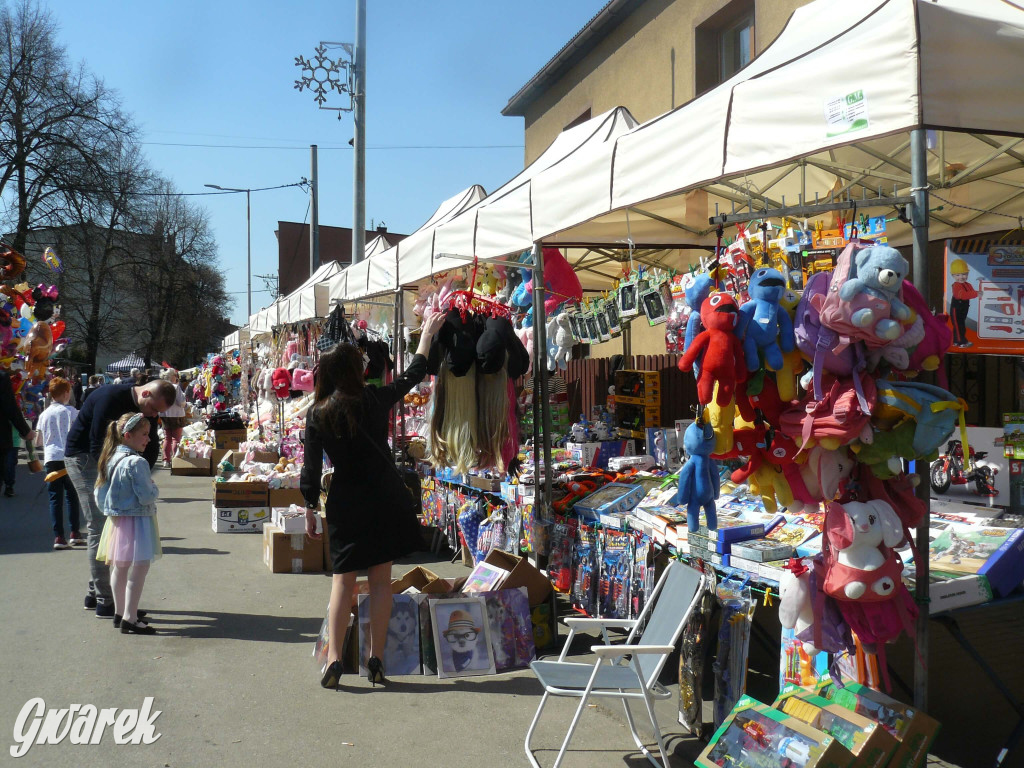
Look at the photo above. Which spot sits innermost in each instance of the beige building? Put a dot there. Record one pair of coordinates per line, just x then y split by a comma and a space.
649, 56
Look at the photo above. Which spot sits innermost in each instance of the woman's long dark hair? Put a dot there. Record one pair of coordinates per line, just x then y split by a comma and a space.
339, 389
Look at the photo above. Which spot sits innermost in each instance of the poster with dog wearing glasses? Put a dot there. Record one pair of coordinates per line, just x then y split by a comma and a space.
462, 637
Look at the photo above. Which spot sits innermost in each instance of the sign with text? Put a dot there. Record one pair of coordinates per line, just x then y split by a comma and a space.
984, 295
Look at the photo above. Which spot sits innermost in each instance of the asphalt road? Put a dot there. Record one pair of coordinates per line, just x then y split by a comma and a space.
231, 671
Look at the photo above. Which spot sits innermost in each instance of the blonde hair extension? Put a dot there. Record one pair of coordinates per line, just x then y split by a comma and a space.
492, 418
459, 423
437, 450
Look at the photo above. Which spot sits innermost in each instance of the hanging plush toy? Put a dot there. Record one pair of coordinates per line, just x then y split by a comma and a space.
696, 289
768, 329
718, 349
698, 479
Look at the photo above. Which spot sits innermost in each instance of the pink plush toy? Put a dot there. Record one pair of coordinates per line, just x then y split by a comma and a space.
560, 281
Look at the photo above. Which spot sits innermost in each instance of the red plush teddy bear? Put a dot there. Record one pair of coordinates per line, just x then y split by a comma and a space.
719, 350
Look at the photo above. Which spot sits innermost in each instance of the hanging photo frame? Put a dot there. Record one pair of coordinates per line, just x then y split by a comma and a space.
611, 310
594, 330
654, 306
574, 327
628, 306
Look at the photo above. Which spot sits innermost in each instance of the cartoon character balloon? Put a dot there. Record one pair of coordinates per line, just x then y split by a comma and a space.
38, 344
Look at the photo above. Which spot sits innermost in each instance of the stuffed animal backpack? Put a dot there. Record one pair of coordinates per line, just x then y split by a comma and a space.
864, 295
933, 410
863, 572
841, 415
938, 336
819, 343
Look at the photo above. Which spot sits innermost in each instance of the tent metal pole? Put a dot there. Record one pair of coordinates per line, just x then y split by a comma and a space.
919, 189
540, 372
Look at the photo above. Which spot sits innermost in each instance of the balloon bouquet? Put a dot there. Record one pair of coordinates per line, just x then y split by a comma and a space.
813, 396
30, 329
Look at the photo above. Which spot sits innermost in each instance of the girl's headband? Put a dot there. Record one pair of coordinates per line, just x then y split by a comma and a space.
131, 424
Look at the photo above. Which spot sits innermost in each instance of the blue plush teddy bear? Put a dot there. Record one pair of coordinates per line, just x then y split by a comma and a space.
879, 273
765, 328
699, 483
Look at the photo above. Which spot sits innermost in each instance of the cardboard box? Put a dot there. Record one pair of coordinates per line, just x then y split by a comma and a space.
521, 574
638, 385
190, 467
418, 577
291, 552
872, 746
239, 519
252, 493
912, 728
596, 454
947, 594
285, 497
610, 499
287, 521
216, 455
1005, 568
237, 456
229, 438
753, 729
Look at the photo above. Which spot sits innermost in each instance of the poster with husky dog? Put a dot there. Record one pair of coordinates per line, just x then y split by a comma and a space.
402, 647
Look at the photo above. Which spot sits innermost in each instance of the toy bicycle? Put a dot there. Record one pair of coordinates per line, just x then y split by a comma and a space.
950, 469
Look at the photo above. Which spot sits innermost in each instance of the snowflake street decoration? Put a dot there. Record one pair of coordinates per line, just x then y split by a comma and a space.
322, 75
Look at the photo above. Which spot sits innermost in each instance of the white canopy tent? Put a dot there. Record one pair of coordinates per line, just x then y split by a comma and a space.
379, 244
264, 321
235, 340
309, 300
377, 273
826, 110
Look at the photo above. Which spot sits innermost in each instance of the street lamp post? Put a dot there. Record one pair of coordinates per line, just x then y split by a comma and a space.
248, 244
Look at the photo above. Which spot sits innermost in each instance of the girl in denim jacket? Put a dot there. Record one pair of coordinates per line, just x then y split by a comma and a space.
127, 495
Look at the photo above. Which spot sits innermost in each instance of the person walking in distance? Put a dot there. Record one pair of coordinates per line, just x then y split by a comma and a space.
54, 425
81, 456
371, 516
127, 495
11, 419
173, 418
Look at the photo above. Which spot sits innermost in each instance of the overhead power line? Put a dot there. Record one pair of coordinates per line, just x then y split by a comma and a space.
339, 146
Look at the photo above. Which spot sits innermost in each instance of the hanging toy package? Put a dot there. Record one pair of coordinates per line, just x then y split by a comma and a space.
730, 667
691, 658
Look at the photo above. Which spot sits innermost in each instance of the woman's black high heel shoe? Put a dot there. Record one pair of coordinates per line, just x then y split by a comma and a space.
375, 671
127, 628
332, 675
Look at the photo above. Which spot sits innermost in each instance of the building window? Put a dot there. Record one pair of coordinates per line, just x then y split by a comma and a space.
581, 119
724, 44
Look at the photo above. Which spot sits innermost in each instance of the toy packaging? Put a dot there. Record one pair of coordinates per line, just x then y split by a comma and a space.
759, 736
914, 730
613, 497
872, 746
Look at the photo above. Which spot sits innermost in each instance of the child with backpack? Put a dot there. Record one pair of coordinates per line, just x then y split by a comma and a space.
127, 495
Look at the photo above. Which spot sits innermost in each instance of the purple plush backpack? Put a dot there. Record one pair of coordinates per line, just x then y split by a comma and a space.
818, 342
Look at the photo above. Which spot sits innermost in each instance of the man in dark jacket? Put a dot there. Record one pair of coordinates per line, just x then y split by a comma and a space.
85, 441
11, 417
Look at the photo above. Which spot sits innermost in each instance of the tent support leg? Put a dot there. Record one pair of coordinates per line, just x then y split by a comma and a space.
540, 372
919, 190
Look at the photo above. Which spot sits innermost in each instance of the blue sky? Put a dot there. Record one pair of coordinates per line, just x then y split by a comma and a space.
222, 72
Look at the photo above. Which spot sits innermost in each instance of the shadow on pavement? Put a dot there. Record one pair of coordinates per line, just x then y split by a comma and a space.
237, 626
192, 551
515, 686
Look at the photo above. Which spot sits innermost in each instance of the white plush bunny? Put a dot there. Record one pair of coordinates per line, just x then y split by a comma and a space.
563, 339
864, 534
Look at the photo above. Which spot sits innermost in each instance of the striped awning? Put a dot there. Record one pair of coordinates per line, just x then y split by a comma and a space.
126, 363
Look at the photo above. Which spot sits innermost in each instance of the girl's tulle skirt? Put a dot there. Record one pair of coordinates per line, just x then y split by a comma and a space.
129, 539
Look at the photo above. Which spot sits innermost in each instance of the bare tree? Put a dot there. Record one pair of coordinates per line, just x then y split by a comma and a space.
52, 115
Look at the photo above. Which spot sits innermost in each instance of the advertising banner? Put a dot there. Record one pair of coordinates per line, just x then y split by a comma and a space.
984, 295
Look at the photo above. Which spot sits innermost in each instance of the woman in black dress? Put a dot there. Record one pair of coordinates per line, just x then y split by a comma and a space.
371, 517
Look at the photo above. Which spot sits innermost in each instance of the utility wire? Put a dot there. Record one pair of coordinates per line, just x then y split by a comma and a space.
339, 146
71, 188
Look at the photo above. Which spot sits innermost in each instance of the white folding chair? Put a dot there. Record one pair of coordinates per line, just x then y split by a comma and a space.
611, 675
